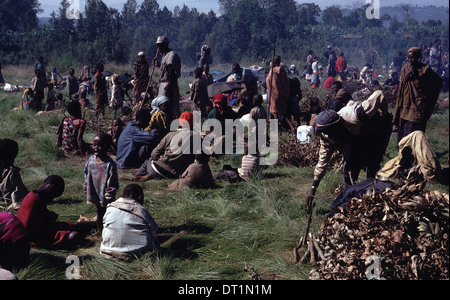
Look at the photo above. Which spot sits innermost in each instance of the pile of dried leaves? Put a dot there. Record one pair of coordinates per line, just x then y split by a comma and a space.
292, 153
399, 234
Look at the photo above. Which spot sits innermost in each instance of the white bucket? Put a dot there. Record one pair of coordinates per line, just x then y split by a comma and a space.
305, 134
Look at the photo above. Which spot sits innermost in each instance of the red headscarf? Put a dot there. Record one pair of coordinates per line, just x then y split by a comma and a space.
219, 102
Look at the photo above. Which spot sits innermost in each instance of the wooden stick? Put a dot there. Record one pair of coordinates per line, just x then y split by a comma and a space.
312, 259
319, 251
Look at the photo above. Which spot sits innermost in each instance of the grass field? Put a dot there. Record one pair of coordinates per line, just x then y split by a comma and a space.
238, 231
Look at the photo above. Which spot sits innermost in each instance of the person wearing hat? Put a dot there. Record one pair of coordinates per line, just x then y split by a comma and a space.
334, 136
141, 77
170, 71
417, 95
172, 156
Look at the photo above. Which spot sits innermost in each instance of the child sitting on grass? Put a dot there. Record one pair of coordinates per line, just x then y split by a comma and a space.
12, 189
197, 175
71, 130
101, 178
43, 228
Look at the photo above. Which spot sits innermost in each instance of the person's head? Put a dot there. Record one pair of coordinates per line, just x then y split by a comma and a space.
101, 144
329, 122
394, 75
116, 125
414, 54
52, 187
337, 85
314, 101
54, 69
74, 109
276, 61
198, 73
257, 100
8, 151
143, 118
50, 86
186, 119
236, 68
437, 42
163, 44
135, 192
342, 54
141, 55
71, 71
100, 68
202, 157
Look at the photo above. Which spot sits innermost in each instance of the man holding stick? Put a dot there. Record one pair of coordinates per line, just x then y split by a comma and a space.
170, 70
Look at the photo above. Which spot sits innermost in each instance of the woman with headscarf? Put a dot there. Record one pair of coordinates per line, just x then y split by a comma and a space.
159, 116
417, 96
221, 110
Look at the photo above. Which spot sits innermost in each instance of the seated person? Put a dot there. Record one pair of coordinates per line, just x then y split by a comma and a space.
198, 175
393, 81
135, 144
12, 189
71, 130
114, 131
169, 160
14, 243
128, 227
43, 228
159, 119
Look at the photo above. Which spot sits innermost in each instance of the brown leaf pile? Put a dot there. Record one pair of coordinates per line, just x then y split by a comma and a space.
292, 153
404, 230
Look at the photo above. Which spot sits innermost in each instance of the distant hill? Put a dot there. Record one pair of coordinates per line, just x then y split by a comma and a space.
419, 13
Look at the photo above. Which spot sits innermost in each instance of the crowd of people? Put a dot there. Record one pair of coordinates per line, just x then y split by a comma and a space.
160, 142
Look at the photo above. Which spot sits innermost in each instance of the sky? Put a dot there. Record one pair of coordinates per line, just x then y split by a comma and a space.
206, 5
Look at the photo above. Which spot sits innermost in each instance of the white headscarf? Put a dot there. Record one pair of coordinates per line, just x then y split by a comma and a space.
157, 102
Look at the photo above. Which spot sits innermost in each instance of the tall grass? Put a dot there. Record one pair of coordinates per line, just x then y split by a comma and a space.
236, 231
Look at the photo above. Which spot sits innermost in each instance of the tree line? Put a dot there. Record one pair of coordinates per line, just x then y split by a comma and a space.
244, 31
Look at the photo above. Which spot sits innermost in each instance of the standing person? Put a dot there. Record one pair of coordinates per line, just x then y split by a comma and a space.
39, 67
331, 61
2, 80
417, 95
341, 66
135, 144
205, 53
43, 228
142, 77
54, 76
199, 93
279, 90
170, 71
38, 85
72, 83
436, 56
71, 131
101, 93
101, 180
398, 62
315, 78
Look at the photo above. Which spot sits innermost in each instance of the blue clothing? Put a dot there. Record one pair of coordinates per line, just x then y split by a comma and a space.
247, 75
130, 145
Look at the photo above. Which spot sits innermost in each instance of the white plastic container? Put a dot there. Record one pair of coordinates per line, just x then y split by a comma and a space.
305, 134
